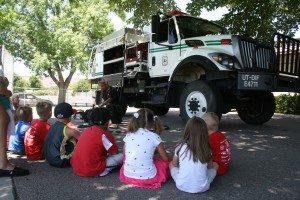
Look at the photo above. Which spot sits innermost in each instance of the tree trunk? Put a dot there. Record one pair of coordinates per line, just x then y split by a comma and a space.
61, 83
62, 93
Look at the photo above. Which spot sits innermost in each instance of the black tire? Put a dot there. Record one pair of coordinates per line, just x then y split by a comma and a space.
158, 110
199, 97
257, 107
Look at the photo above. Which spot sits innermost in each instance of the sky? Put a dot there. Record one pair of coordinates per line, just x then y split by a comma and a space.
119, 24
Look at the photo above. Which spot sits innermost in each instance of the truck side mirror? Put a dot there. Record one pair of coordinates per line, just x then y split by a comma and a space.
155, 21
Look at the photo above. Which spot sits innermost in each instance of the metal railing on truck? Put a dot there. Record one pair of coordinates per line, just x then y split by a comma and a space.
288, 62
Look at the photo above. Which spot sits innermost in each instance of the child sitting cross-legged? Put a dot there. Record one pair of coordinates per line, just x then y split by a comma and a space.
96, 153
36, 133
16, 142
220, 145
60, 141
140, 168
192, 168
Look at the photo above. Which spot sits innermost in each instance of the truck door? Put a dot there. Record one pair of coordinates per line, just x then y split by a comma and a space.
164, 54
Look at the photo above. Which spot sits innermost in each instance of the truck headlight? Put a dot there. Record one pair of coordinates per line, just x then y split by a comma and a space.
225, 60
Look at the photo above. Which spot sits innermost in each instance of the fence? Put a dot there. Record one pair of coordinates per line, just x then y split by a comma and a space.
75, 98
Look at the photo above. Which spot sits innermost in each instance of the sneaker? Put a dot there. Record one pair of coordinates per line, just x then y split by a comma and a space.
105, 172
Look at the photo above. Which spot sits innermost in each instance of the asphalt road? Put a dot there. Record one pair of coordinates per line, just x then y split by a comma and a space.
265, 165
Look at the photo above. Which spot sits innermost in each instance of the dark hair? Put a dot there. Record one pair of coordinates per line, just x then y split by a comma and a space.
196, 139
23, 112
145, 118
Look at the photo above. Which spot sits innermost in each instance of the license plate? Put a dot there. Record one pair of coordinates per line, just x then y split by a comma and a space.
255, 81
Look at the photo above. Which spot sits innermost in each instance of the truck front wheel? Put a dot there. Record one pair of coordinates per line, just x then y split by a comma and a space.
257, 107
199, 97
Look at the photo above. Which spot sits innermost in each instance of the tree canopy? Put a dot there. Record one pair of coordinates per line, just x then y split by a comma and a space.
19, 83
142, 10
54, 36
259, 19
34, 82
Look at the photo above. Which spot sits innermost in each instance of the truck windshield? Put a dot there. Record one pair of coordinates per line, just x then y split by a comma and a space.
195, 27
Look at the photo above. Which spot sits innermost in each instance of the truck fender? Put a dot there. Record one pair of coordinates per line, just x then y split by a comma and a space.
201, 60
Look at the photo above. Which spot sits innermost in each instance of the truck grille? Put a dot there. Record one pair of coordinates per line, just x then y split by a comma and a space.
254, 55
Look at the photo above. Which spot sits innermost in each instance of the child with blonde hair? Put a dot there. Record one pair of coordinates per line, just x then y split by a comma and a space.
192, 168
219, 143
140, 168
35, 135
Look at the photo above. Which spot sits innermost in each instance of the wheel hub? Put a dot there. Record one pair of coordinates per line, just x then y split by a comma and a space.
196, 104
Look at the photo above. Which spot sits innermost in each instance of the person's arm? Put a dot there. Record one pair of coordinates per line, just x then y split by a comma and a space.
175, 161
162, 152
113, 149
71, 133
210, 164
112, 94
124, 148
104, 102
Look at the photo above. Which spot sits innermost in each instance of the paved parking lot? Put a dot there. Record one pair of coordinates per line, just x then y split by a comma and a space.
265, 165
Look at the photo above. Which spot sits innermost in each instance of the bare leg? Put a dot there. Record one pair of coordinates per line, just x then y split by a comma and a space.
4, 121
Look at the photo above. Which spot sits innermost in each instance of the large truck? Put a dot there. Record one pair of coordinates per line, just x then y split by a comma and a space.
188, 63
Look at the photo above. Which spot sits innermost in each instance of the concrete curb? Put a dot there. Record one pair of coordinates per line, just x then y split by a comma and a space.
6, 189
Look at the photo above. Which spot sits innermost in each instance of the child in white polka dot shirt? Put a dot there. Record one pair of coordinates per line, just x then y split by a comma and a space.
140, 168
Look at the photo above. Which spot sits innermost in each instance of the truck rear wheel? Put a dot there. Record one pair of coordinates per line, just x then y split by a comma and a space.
198, 98
257, 107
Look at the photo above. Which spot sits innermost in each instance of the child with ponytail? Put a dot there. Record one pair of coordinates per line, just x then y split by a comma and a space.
140, 168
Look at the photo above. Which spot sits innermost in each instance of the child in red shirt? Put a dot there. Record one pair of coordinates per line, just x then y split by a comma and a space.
96, 152
220, 145
36, 133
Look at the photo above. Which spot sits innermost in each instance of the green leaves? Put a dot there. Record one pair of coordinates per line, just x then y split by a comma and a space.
54, 35
259, 19
288, 104
141, 10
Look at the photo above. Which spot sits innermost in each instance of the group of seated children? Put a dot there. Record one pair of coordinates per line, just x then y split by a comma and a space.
203, 152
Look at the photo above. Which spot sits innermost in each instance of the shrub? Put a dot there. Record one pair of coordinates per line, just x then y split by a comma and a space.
288, 104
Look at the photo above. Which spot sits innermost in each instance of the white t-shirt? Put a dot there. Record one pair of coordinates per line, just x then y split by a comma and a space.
139, 150
192, 177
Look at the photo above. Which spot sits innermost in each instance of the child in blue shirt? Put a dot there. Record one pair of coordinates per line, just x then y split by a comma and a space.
16, 142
